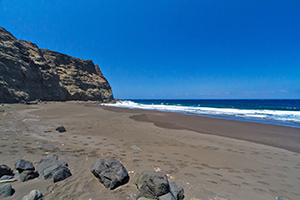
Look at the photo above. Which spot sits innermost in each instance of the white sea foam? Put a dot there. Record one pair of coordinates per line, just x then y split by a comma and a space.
277, 115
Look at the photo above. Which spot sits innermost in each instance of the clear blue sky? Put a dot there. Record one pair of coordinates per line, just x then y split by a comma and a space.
172, 49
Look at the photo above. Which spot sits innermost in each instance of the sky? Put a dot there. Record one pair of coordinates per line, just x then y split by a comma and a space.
153, 49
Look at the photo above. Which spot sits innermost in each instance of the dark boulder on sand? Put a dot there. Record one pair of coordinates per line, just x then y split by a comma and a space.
5, 170
27, 175
22, 165
177, 191
61, 174
110, 172
6, 190
155, 185
26, 170
60, 129
53, 168
152, 184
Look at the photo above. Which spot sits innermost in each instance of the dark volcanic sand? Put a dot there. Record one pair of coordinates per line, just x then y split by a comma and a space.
206, 165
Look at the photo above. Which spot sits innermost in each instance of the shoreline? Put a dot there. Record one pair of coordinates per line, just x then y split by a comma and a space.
268, 134
253, 111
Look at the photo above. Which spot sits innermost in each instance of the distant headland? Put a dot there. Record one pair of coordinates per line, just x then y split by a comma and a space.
28, 73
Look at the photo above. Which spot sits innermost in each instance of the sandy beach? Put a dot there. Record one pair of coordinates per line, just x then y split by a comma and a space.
208, 158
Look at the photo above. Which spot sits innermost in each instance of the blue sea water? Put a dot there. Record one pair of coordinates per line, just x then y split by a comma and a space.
281, 112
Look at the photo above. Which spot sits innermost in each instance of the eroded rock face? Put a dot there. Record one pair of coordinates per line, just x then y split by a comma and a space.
28, 73
110, 172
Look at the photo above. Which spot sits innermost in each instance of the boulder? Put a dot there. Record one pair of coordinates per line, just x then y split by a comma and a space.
110, 172
60, 129
6, 190
5, 170
22, 165
152, 184
53, 168
155, 185
28, 73
177, 191
33, 195
27, 175
61, 174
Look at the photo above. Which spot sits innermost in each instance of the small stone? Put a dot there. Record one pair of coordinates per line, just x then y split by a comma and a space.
6, 190
132, 196
60, 129
6, 177
33, 195
31, 102
282, 198
136, 147
1, 110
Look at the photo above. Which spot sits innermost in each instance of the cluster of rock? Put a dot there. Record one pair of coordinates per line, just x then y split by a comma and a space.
25, 170
28, 73
53, 168
110, 172
151, 185
48, 168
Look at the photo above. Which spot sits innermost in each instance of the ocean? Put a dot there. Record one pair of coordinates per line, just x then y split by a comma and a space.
280, 112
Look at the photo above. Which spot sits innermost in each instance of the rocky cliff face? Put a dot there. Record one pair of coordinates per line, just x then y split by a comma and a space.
28, 73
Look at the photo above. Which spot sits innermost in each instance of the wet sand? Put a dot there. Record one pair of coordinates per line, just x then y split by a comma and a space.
273, 135
209, 158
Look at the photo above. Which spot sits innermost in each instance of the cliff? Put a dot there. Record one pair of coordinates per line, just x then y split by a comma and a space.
29, 73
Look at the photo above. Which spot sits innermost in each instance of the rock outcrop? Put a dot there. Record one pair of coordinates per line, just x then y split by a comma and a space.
28, 73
